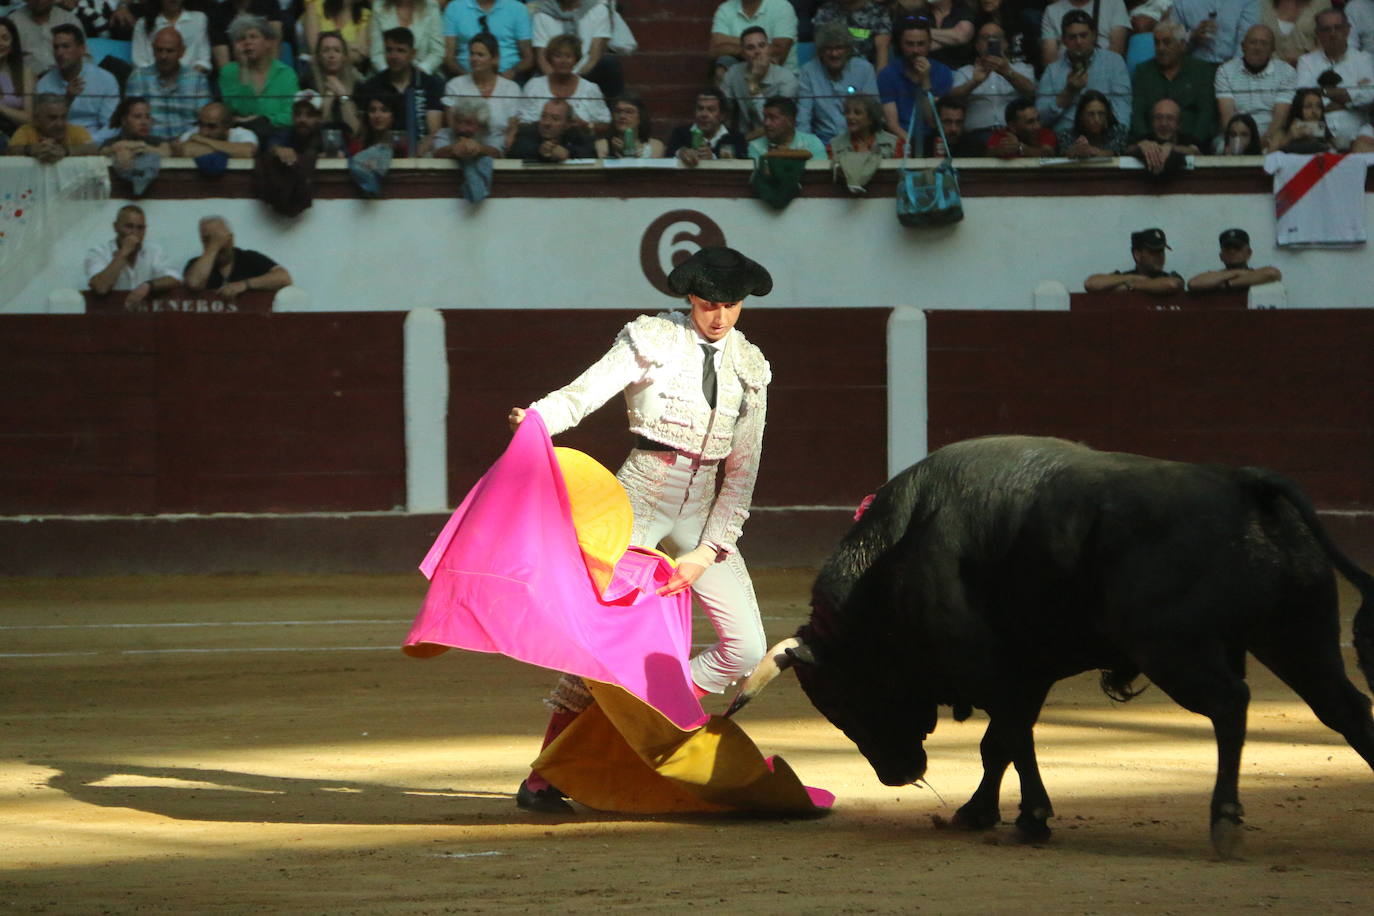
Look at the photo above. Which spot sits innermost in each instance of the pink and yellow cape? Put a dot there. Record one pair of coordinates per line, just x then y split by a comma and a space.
536, 564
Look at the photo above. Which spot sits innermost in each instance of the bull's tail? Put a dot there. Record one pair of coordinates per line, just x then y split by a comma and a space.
1363, 581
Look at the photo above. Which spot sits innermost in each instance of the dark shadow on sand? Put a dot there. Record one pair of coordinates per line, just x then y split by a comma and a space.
231, 797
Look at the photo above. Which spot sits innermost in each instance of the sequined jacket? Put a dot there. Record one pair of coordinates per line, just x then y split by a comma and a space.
656, 363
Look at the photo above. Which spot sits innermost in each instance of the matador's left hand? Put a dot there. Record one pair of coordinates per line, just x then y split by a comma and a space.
683, 577
690, 566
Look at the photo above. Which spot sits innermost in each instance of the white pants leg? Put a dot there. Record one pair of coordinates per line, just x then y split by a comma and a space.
671, 495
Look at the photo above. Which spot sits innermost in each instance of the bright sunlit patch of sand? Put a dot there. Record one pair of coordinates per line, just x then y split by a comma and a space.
124, 780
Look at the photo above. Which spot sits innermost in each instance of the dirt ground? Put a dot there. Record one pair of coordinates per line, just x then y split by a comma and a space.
258, 744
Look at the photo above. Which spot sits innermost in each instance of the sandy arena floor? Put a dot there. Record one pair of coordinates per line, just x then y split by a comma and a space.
258, 744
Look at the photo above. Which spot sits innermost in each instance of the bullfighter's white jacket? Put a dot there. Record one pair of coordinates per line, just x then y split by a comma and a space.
656, 362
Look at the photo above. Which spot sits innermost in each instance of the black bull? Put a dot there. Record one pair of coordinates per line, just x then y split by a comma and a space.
997, 566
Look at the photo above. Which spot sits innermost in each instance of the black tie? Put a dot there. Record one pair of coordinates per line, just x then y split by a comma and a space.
708, 374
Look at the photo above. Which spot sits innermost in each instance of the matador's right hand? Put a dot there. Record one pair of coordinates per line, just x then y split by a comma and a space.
515, 418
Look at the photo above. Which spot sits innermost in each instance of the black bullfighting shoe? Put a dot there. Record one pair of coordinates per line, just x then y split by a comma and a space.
545, 801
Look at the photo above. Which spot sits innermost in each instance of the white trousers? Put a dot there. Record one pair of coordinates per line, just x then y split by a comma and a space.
671, 495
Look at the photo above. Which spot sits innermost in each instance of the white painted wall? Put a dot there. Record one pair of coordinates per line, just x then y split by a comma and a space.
584, 252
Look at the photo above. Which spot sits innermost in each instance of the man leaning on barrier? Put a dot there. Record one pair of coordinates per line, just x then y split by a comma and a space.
233, 271
49, 138
128, 262
1236, 272
1147, 276
708, 136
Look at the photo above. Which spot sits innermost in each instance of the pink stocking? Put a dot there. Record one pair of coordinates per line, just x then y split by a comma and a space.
557, 722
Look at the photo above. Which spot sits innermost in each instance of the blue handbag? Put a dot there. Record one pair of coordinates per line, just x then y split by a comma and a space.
928, 197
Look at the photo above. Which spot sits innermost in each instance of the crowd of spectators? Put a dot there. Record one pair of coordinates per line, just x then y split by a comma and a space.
477, 80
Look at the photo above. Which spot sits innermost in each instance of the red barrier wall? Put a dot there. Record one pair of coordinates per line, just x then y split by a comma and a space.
165, 413
1289, 390
159, 413
826, 438
1118, 300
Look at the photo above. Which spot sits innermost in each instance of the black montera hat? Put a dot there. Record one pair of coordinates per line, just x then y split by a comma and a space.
1234, 238
1153, 239
720, 275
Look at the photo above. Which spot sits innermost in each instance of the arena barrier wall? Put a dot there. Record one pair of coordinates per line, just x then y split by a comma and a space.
188, 442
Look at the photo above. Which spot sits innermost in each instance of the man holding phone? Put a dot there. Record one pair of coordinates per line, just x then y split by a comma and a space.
1344, 75
1083, 66
990, 83
1112, 21
1216, 28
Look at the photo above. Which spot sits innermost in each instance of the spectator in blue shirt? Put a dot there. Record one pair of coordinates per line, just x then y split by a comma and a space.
92, 93
833, 76
1082, 66
507, 20
910, 76
1215, 27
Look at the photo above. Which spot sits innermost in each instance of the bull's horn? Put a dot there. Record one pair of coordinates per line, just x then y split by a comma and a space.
778, 659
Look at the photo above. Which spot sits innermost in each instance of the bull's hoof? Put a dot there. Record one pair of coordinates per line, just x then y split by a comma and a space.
1227, 828
1033, 826
969, 819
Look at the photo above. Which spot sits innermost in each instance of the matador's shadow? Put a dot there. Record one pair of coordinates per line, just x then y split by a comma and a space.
193, 794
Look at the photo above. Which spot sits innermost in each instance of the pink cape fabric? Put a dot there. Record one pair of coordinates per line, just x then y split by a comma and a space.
507, 575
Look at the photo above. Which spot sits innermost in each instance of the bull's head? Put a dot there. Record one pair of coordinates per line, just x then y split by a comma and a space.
870, 697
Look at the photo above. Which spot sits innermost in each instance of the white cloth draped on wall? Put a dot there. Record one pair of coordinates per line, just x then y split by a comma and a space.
36, 202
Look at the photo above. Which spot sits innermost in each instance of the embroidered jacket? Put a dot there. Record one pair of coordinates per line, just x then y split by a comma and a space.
655, 361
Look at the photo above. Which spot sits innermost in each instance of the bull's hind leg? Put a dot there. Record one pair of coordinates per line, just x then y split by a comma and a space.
1315, 671
1010, 739
1202, 679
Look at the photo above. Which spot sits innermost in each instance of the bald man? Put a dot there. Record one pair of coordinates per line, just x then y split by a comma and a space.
1256, 83
174, 91
215, 132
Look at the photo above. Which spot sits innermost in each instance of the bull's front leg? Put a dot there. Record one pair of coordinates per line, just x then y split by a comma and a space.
982, 811
1010, 738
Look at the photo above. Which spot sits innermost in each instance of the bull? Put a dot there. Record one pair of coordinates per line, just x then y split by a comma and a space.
995, 567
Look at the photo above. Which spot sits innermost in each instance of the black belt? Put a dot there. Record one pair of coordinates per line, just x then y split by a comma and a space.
644, 443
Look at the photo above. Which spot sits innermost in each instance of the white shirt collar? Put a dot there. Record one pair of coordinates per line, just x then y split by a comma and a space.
717, 345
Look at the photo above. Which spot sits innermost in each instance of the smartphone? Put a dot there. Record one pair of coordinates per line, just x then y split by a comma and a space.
994, 47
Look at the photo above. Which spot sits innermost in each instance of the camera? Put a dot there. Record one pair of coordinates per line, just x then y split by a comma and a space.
1328, 79
994, 47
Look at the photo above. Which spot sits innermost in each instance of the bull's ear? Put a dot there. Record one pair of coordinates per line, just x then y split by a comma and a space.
802, 655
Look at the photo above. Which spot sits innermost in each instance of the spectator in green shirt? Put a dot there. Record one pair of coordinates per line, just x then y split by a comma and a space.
257, 85
780, 134
1175, 75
